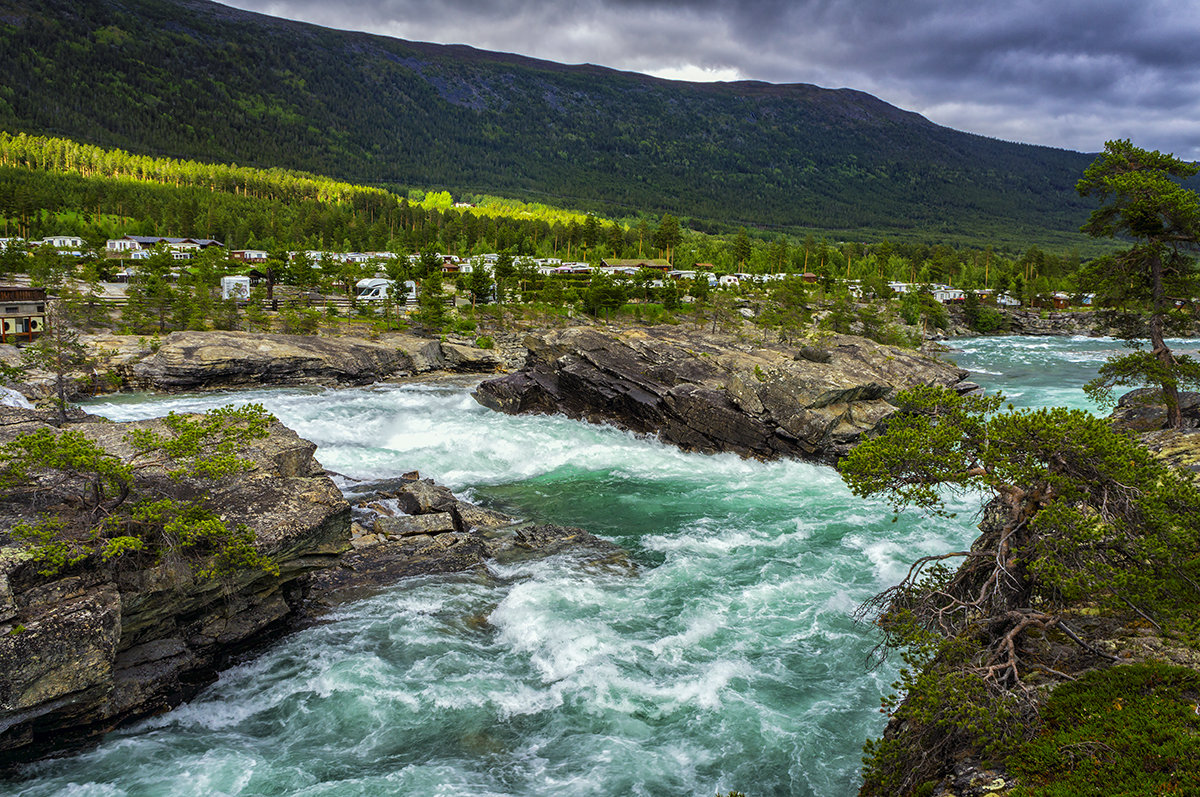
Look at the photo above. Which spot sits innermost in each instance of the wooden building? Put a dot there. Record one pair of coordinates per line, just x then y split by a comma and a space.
22, 313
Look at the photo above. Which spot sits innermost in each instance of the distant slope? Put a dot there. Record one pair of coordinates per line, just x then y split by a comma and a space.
195, 79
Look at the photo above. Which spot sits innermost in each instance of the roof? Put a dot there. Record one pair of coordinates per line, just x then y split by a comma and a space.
647, 262
159, 239
22, 293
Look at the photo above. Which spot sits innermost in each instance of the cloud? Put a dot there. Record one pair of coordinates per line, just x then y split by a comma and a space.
1071, 74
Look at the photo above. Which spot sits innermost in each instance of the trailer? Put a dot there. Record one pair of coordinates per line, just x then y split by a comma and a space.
377, 289
235, 288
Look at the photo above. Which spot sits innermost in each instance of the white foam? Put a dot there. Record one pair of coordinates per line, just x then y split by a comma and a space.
11, 398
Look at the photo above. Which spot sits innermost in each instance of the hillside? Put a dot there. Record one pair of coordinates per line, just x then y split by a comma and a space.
195, 79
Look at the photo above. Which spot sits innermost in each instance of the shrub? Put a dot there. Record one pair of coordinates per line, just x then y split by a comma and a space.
1130, 729
115, 515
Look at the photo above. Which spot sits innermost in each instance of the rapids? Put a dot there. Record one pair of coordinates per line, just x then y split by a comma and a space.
730, 661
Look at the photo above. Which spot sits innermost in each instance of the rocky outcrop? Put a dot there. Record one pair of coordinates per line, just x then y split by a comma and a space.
103, 642
713, 393
189, 360
213, 359
1055, 323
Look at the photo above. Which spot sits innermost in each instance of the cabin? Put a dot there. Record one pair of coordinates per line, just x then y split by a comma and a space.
62, 241
22, 313
174, 244
250, 255
117, 247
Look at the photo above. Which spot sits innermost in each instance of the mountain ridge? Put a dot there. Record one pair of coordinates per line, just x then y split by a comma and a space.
195, 79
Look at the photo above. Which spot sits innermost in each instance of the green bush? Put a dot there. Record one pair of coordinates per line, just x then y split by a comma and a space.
114, 514
300, 320
485, 342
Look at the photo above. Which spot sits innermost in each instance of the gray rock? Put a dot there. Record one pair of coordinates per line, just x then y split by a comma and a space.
188, 360
712, 393
470, 359
813, 354
422, 497
470, 517
407, 525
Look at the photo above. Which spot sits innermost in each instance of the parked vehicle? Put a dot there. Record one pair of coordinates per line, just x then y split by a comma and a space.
235, 288
378, 289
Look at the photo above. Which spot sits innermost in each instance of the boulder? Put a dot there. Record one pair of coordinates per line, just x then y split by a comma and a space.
711, 393
1143, 411
422, 497
409, 525
471, 359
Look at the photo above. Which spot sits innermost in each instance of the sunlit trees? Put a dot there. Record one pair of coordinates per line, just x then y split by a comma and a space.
668, 235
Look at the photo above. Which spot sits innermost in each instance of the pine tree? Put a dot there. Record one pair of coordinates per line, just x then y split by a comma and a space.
1145, 201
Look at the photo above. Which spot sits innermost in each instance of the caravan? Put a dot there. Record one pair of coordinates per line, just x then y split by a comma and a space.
237, 288
376, 289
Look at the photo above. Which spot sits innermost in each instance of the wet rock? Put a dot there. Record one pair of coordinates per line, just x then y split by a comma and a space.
421, 497
189, 360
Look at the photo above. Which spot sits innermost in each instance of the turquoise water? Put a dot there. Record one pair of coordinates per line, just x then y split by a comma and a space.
1045, 371
731, 660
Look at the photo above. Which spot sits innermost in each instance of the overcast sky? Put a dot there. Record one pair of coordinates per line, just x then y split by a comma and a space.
1064, 73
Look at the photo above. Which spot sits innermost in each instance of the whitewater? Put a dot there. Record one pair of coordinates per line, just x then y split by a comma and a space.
730, 660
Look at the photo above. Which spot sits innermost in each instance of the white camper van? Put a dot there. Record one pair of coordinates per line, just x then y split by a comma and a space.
235, 288
378, 289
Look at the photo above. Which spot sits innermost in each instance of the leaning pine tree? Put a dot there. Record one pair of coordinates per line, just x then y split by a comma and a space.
1083, 526
1145, 202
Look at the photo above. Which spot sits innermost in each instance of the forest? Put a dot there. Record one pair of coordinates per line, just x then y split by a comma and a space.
205, 82
56, 186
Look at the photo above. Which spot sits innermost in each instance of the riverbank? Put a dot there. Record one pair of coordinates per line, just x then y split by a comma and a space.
737, 389
717, 392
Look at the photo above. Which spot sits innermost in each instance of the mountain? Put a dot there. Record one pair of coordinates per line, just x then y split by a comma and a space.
195, 79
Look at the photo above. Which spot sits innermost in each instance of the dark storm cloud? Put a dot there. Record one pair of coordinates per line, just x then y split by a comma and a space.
1067, 73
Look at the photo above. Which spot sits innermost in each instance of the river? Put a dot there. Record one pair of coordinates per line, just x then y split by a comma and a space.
731, 660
